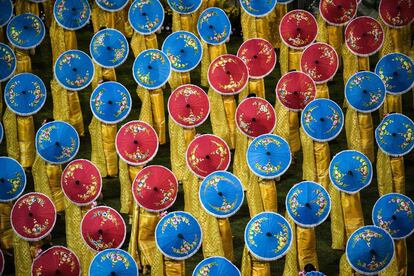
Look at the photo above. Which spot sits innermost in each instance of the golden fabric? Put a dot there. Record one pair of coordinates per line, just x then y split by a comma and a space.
230, 106
284, 58
176, 22
254, 196
108, 141
40, 177
398, 174
240, 167
392, 269
294, 138
322, 35
257, 86
133, 239
274, 22
22, 257
363, 63
189, 134
322, 161
97, 154
151, 41
101, 18
352, 212
337, 219
253, 267
146, 236
6, 231
268, 194
248, 25
350, 63
24, 6
322, 91
25, 136
262, 27
218, 118
145, 113
75, 112
60, 101
282, 123
294, 59
205, 63
226, 238
157, 268
178, 147
309, 170
335, 38
108, 74
10, 133
345, 268
396, 35
384, 173
306, 246
291, 260
401, 257
173, 267
137, 44
23, 61
125, 188
157, 102
61, 40
392, 104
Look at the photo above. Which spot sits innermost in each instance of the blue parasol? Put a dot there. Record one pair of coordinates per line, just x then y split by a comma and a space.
109, 48
146, 17
258, 8
284, 2
151, 69
315, 273
365, 91
25, 31
395, 135
370, 250
12, 179
322, 120
221, 194
216, 266
57, 142
214, 26
268, 236
184, 6
268, 156
113, 262
7, 62
74, 70
72, 14
397, 72
1, 132
111, 5
178, 235
394, 213
308, 204
184, 51
25, 94
110, 102
350, 171
6, 12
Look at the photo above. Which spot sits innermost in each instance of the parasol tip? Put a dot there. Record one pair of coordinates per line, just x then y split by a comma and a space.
135, 142
211, 26
109, 102
24, 92
228, 72
30, 214
149, 67
77, 182
57, 144
144, 14
350, 173
394, 217
322, 119
372, 251
74, 69
57, 272
187, 105
253, 119
155, 189
207, 156
182, 51
180, 236
307, 205
113, 273
268, 153
269, 234
220, 193
255, 56
2, 180
100, 231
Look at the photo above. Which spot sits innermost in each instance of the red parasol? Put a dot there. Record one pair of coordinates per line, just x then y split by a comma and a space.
188, 106
155, 188
81, 182
103, 227
338, 12
298, 29
320, 61
397, 13
206, 154
255, 116
295, 90
57, 260
33, 216
136, 143
364, 36
259, 56
228, 74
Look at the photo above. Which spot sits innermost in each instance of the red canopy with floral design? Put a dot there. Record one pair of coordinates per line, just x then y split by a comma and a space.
57, 260
338, 12
397, 13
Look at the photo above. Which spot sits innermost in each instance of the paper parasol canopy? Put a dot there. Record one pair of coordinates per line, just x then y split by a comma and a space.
25, 31
33, 216
184, 50
25, 94
394, 213
57, 260
12, 179
364, 36
57, 142
189, 106
8, 62
396, 14
81, 182
136, 143
298, 29
259, 56
221, 194
370, 250
396, 71
151, 69
258, 8
184, 6
103, 227
155, 188
112, 5
322, 120
113, 262
320, 61
178, 235
338, 12
214, 26
6, 12
268, 236
228, 75
268, 156
350, 171
395, 135
111, 102
255, 116
308, 204
146, 17
365, 91
216, 266
206, 154
72, 14
295, 90
74, 70
109, 48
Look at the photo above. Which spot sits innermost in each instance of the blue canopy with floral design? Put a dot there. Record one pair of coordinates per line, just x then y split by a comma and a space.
72, 14
12, 179
216, 266
25, 31
146, 17
113, 262
214, 26
109, 48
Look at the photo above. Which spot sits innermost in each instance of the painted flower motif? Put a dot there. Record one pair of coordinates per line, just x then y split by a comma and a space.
37, 93
367, 235
386, 224
403, 206
142, 184
339, 176
374, 98
282, 237
44, 135
105, 216
30, 200
189, 41
294, 203
321, 202
180, 5
66, 259
11, 94
335, 118
174, 221
186, 247
115, 258
138, 155
374, 265
97, 102
167, 195
7, 57
107, 3
254, 229
352, 41
383, 130
15, 182
268, 168
408, 136
308, 118
37, 228
123, 104
363, 168
205, 269
68, 151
